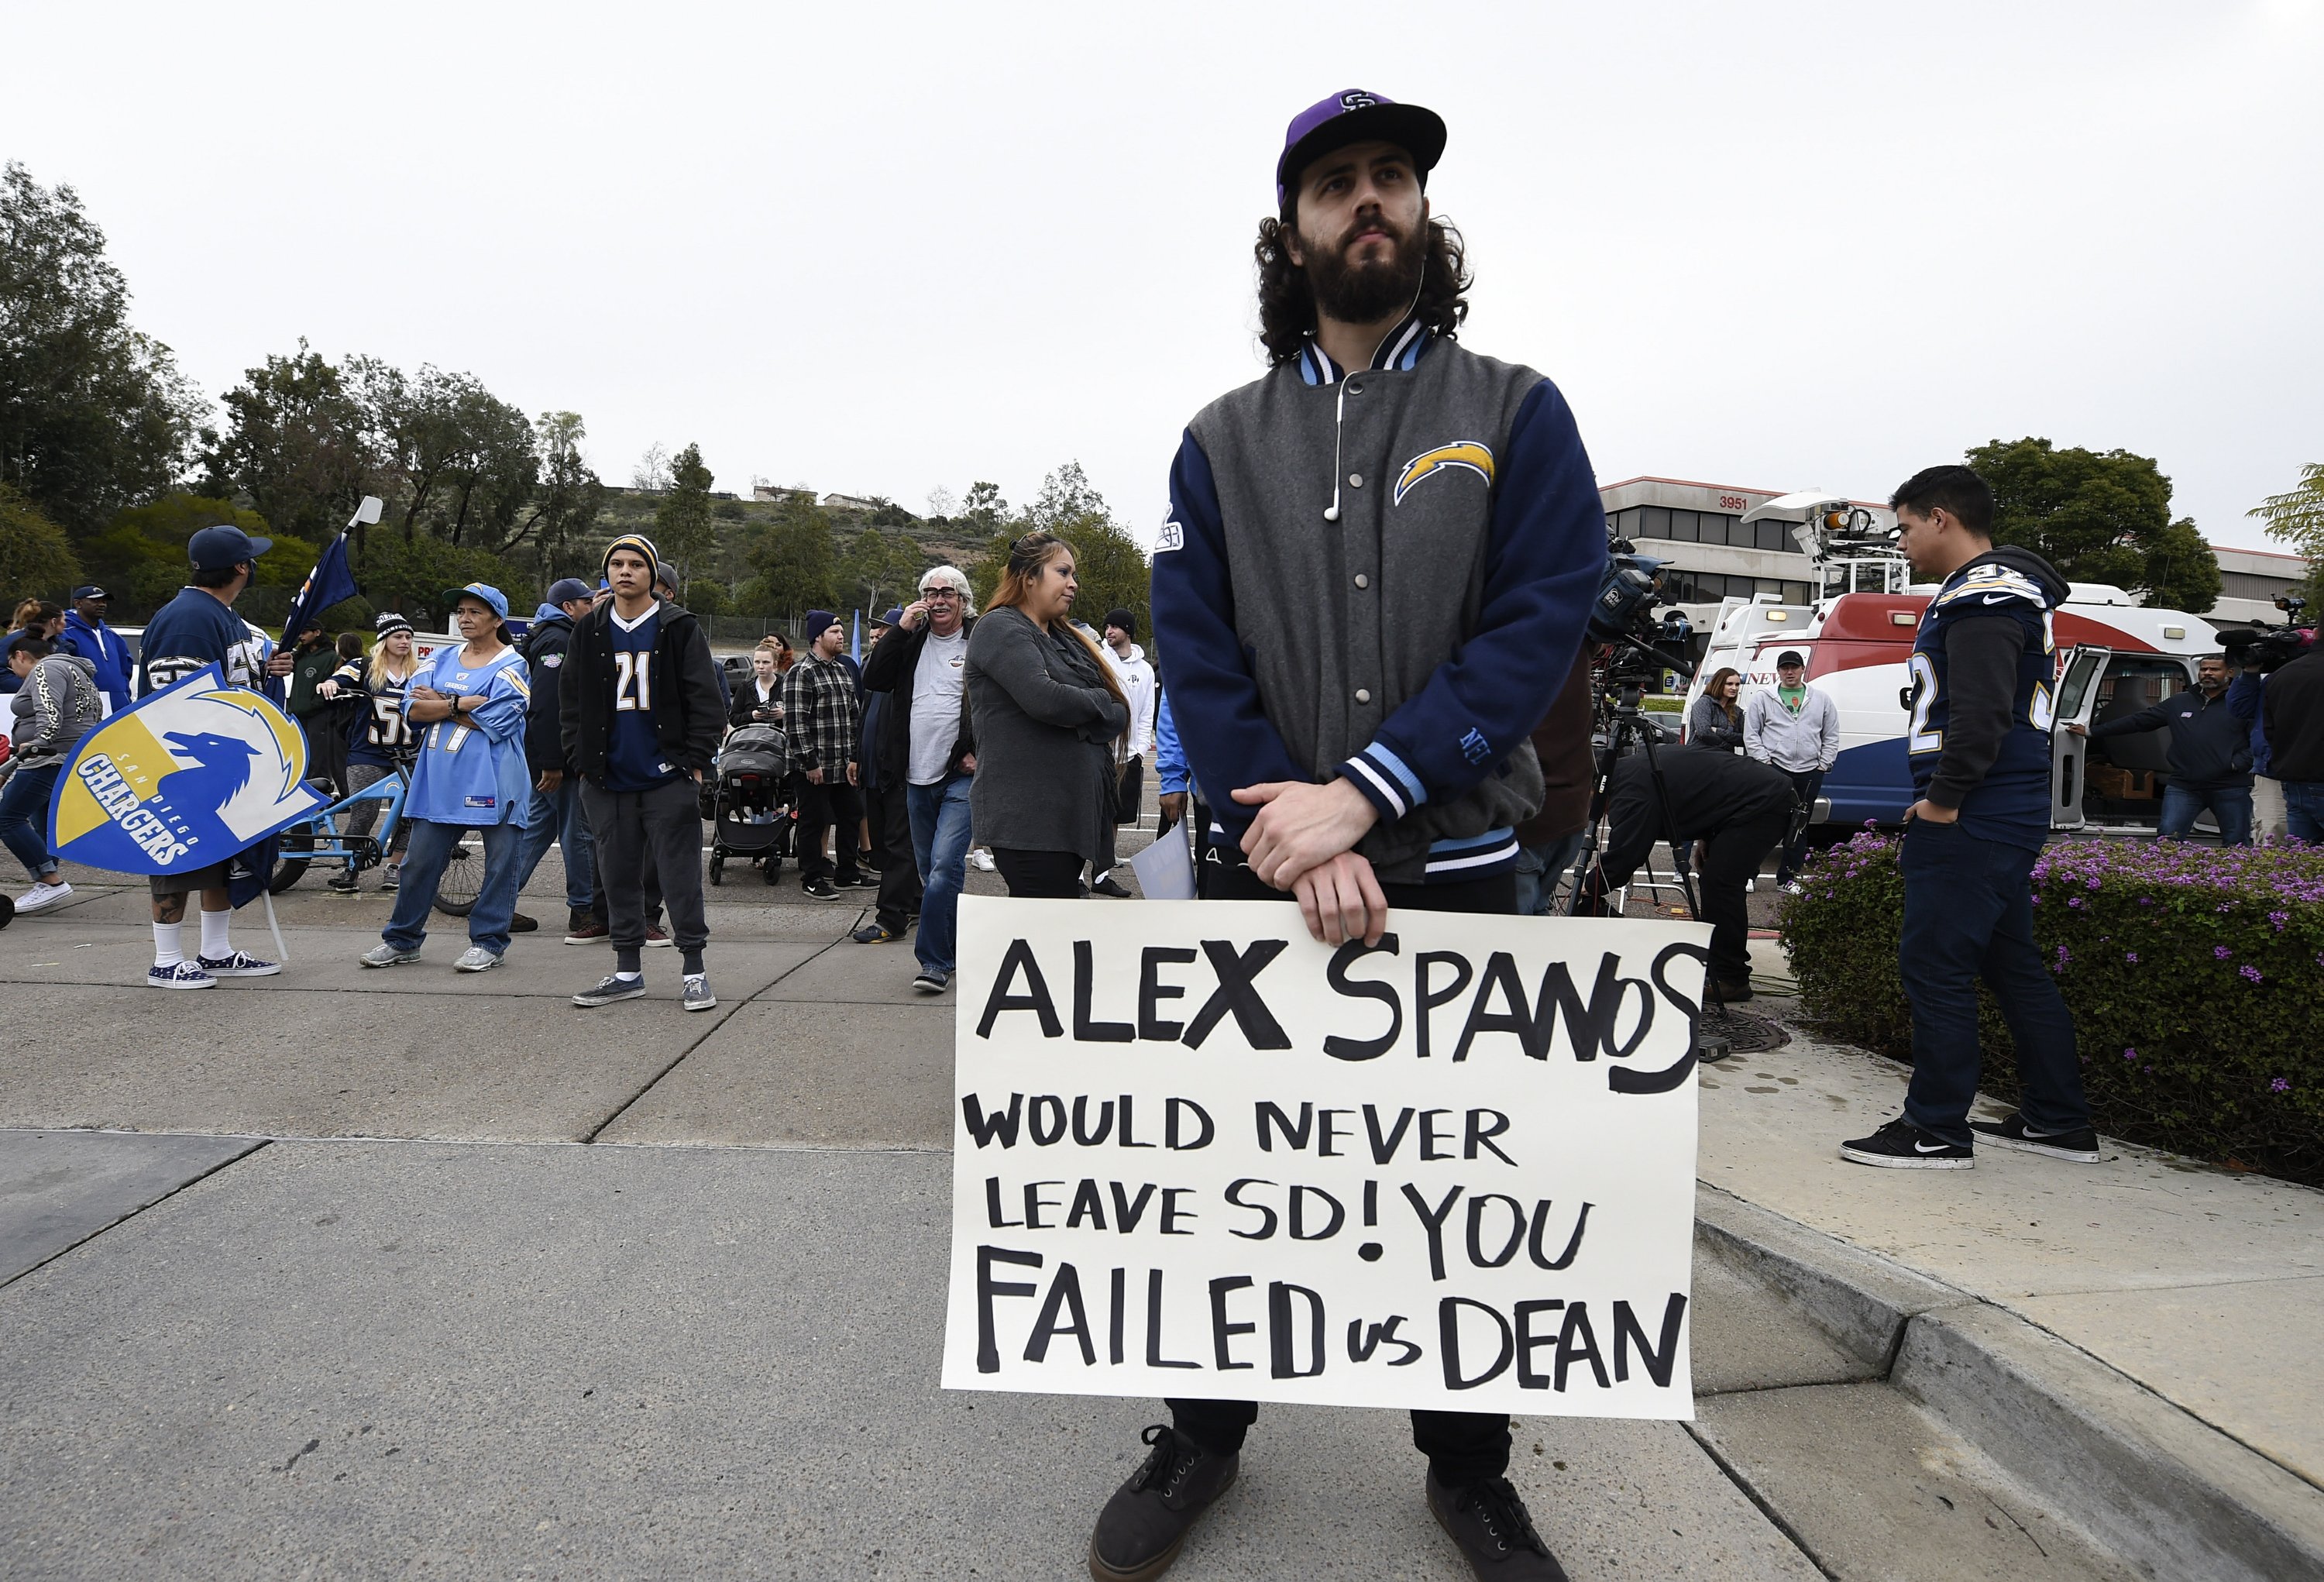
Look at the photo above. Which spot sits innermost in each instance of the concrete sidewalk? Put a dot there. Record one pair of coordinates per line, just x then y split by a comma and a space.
632, 1293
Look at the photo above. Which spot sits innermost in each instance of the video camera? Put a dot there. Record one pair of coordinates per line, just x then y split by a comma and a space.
2268, 648
1623, 616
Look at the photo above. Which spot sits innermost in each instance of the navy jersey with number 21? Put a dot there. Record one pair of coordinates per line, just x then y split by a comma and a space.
2012, 803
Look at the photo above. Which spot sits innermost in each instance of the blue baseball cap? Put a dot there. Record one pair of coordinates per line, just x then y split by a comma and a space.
566, 590
895, 614
214, 549
490, 595
1356, 115
91, 590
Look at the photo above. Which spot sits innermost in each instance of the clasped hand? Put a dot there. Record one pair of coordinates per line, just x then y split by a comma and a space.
1303, 841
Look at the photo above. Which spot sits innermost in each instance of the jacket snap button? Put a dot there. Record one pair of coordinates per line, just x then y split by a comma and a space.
1355, 387
1363, 694
1355, 480
1362, 580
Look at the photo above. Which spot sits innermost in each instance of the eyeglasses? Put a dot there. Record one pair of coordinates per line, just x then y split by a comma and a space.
940, 592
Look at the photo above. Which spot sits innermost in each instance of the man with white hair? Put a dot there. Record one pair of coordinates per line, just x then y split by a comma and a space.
926, 745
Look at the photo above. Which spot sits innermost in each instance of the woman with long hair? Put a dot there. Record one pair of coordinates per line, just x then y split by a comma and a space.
784, 657
378, 736
759, 699
1045, 712
1716, 720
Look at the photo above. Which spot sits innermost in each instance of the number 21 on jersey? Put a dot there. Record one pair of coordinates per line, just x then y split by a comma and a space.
633, 680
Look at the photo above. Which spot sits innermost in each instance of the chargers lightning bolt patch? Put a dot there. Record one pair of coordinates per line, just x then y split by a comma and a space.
1461, 453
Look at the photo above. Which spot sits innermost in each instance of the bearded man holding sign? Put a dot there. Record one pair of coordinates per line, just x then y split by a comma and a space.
1378, 568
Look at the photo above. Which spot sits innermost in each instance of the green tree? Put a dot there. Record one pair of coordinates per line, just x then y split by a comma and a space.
794, 565
572, 497
984, 511
297, 443
463, 464
1108, 564
93, 415
36, 558
140, 556
411, 575
684, 529
2297, 517
2098, 516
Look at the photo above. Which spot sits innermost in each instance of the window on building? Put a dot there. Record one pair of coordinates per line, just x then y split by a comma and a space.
1653, 523
1775, 535
1796, 593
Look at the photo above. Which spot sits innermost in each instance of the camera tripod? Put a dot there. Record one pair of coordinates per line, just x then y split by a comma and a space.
1617, 705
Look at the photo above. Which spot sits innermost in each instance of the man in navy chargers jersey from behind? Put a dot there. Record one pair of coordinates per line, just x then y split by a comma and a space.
1979, 742
641, 716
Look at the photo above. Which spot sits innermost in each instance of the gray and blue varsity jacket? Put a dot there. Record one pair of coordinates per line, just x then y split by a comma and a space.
1380, 575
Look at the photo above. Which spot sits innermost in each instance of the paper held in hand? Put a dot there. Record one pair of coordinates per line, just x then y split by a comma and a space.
1196, 1153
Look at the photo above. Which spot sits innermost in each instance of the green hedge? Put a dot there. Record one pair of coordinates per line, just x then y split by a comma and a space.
2193, 974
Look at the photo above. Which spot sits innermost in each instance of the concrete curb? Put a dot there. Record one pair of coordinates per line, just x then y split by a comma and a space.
1860, 1299
2148, 1478
2157, 1485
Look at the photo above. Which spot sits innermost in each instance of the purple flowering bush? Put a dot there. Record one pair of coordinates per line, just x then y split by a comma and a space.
2195, 974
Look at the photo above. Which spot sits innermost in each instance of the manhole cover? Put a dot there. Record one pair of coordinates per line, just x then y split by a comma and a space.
1743, 1033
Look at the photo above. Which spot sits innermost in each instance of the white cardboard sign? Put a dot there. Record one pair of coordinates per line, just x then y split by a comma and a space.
1196, 1153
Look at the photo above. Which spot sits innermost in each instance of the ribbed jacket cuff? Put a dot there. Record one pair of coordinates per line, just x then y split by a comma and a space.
1386, 782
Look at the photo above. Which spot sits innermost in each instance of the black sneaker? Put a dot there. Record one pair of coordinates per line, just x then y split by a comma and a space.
345, 883
2079, 1146
1139, 1531
861, 880
1902, 1145
1490, 1522
520, 924
821, 888
1107, 885
875, 933
1731, 991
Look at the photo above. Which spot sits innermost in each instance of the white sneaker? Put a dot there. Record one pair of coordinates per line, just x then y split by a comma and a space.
40, 896
980, 860
476, 958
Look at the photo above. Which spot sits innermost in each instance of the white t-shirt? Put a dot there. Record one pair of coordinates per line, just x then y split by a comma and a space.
936, 684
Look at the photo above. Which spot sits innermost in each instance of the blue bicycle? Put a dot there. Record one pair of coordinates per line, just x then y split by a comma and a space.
323, 839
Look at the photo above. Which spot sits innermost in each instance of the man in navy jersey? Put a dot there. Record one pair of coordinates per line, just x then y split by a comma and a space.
1979, 742
641, 722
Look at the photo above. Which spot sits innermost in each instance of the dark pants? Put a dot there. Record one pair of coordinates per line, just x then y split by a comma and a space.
1039, 875
1732, 858
1807, 785
24, 819
1462, 1447
1969, 912
890, 815
664, 826
831, 805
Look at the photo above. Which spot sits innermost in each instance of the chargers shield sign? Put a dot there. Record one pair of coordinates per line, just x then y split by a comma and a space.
187, 777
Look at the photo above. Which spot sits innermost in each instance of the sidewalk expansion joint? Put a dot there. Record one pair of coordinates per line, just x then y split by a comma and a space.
1750, 1491
726, 1016
256, 1143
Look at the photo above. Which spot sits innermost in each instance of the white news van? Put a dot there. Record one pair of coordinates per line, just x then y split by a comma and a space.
2114, 658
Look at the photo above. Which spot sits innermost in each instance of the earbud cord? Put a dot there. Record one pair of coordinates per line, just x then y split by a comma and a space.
1340, 407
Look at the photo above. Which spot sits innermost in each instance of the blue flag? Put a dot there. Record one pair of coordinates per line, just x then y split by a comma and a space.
855, 635
328, 584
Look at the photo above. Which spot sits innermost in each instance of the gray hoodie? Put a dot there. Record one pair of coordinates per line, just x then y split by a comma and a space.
58, 705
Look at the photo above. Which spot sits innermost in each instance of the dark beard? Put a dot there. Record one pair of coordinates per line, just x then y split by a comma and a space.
1367, 292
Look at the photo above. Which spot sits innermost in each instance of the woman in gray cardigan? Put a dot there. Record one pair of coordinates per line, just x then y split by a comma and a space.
1045, 712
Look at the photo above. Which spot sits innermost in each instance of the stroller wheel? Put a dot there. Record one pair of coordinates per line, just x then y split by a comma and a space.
717, 867
772, 869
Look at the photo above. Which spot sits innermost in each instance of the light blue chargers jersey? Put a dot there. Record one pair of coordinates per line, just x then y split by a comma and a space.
473, 772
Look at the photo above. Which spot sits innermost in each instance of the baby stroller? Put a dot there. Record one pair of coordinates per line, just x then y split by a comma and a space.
751, 813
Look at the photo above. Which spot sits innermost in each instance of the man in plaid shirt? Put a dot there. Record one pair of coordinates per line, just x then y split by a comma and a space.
825, 721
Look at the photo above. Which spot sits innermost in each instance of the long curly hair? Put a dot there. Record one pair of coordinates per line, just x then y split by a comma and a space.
1286, 304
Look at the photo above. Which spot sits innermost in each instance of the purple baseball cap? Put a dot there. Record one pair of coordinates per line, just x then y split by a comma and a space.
1355, 115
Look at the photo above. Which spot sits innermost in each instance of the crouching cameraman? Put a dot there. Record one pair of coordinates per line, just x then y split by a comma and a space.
1738, 807
2293, 710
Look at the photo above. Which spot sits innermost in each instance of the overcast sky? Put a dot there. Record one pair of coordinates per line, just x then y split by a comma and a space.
882, 249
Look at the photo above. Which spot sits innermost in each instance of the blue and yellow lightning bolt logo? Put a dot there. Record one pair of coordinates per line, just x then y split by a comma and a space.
1461, 453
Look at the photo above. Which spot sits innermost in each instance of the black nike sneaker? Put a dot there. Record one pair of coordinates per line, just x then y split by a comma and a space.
1902, 1145
2079, 1146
